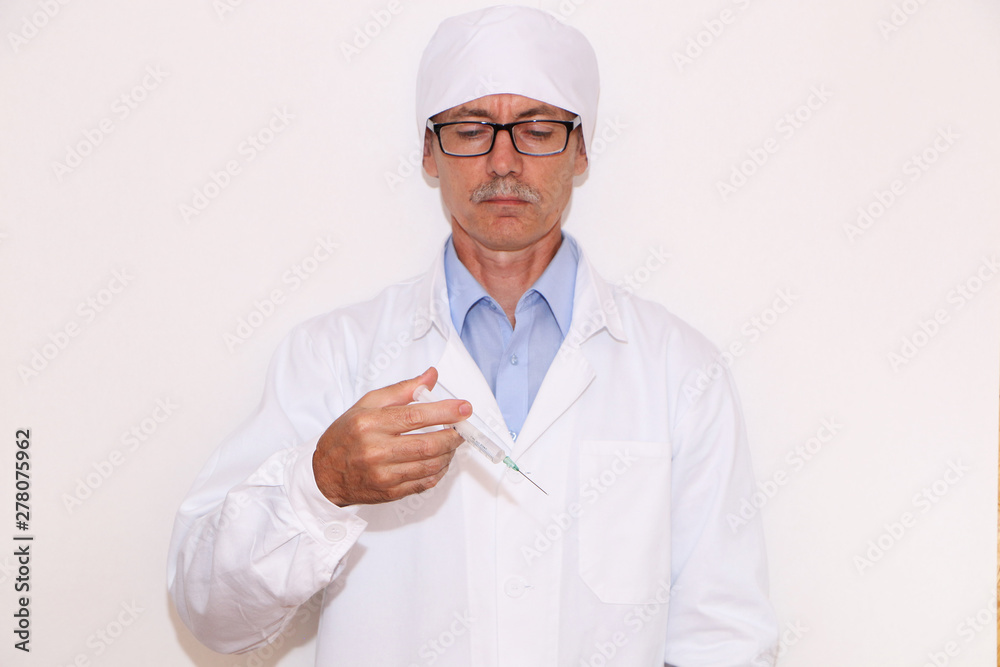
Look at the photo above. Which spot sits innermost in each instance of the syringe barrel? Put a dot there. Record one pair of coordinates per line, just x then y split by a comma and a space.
470, 433
478, 439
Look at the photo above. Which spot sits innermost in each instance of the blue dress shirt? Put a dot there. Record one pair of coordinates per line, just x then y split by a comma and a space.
514, 360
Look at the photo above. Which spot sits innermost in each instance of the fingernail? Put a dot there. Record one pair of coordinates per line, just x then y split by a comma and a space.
465, 409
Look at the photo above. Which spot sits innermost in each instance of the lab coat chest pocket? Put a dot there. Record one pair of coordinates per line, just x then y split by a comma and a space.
625, 518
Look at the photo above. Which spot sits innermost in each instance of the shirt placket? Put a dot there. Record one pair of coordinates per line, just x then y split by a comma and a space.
512, 373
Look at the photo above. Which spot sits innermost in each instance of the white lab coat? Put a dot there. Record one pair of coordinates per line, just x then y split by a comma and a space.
628, 561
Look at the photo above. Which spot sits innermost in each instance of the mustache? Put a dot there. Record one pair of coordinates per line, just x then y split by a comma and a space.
505, 187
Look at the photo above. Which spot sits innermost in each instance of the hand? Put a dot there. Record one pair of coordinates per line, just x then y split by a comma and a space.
367, 456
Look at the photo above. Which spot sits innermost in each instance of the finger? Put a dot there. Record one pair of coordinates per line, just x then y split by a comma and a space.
423, 446
400, 393
392, 476
418, 485
403, 418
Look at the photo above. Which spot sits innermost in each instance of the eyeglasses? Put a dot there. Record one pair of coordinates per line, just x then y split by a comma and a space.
530, 137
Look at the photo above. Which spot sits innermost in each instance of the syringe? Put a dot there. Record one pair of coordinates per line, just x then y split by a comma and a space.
475, 437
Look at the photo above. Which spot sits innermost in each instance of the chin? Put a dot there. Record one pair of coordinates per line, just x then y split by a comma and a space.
509, 234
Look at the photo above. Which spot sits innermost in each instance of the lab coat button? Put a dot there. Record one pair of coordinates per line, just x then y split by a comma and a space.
513, 359
514, 587
335, 532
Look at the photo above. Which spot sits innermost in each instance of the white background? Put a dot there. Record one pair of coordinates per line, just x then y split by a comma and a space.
673, 130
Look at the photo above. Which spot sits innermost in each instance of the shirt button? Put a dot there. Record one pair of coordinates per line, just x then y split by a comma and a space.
513, 436
335, 532
514, 587
513, 359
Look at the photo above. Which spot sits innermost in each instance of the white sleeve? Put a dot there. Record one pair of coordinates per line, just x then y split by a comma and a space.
719, 610
255, 538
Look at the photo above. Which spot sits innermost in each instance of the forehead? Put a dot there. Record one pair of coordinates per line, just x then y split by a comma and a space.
496, 107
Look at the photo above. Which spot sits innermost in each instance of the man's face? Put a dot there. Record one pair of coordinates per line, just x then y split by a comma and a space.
505, 200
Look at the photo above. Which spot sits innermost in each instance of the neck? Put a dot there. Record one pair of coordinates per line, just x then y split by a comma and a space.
506, 274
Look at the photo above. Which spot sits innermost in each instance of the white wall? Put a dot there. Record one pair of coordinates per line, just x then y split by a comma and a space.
673, 129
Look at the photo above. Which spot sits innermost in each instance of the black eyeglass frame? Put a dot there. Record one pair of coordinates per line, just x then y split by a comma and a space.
570, 125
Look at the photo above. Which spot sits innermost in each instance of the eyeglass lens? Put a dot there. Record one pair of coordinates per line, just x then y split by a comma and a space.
533, 138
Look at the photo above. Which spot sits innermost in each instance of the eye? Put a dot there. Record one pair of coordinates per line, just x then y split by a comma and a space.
539, 133
472, 132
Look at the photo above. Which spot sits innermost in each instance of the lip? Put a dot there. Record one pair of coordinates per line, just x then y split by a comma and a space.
504, 201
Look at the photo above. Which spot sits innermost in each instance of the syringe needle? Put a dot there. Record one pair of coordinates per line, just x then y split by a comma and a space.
475, 437
530, 480
513, 466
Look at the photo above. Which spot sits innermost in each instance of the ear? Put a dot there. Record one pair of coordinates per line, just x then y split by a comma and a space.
580, 160
430, 165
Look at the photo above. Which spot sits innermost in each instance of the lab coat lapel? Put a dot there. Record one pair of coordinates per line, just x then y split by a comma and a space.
567, 378
569, 375
459, 376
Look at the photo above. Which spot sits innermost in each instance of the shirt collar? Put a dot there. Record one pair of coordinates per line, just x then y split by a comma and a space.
556, 285
464, 291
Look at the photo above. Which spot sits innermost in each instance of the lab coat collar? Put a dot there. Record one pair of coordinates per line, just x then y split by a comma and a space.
433, 308
569, 375
594, 305
556, 285
594, 310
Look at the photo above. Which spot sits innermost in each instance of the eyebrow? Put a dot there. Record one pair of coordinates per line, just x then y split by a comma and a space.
478, 112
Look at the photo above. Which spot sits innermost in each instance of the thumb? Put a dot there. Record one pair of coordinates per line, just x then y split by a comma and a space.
400, 393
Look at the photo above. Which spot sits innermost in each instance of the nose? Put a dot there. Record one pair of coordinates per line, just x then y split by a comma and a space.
504, 158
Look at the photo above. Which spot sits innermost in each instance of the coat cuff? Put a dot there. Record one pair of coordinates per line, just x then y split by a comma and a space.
340, 527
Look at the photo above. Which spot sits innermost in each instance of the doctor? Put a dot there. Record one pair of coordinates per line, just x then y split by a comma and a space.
426, 553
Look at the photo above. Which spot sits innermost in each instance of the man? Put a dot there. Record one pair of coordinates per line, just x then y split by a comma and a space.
427, 553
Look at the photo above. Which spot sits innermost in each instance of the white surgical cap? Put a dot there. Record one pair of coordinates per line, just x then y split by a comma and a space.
508, 49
